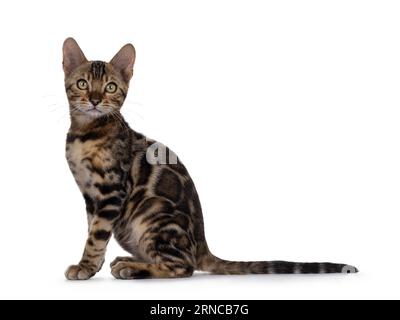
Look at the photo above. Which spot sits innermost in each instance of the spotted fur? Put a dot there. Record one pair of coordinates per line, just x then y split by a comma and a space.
151, 208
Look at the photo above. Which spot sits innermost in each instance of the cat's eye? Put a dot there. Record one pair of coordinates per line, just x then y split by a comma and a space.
82, 84
111, 87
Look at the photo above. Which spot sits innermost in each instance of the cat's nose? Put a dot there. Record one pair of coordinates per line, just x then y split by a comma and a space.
95, 102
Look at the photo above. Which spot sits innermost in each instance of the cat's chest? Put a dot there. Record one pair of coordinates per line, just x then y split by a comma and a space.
86, 160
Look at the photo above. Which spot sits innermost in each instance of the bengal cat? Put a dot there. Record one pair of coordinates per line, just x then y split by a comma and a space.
136, 189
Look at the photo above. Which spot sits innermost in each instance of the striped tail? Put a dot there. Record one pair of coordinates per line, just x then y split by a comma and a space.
210, 263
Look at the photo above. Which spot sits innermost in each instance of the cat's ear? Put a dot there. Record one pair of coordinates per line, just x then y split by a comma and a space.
123, 61
73, 56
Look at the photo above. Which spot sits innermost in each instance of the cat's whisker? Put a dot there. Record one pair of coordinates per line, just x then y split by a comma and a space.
121, 120
133, 103
132, 113
56, 105
49, 95
58, 109
115, 118
62, 117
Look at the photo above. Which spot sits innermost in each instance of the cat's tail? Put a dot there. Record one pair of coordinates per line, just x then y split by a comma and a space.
208, 262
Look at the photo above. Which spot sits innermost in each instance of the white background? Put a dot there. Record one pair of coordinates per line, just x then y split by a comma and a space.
286, 113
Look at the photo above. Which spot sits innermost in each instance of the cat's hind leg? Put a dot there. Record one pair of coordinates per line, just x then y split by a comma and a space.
169, 253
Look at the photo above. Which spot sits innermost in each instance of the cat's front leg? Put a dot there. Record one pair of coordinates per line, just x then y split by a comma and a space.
93, 256
100, 230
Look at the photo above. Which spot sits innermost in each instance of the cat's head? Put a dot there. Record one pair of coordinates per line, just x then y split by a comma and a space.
96, 88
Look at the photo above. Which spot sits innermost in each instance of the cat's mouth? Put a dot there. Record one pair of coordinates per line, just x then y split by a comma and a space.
94, 111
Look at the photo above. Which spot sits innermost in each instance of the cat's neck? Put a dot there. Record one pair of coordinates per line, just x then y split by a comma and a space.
85, 124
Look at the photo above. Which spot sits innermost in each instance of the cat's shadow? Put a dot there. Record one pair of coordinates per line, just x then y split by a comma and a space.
200, 276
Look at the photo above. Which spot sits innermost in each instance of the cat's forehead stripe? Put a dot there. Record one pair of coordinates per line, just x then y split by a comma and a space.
97, 69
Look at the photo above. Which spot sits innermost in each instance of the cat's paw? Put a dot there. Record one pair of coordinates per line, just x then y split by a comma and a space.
122, 270
129, 270
125, 259
117, 267
78, 272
